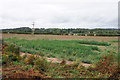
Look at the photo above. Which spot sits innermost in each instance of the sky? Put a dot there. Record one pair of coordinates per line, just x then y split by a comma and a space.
59, 13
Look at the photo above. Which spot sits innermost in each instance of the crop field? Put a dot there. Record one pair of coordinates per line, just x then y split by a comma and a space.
62, 49
60, 37
85, 49
92, 51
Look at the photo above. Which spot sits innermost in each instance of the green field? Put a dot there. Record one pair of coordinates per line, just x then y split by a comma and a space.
62, 49
46, 56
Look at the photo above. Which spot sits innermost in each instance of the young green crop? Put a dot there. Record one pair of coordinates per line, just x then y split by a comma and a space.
94, 43
70, 50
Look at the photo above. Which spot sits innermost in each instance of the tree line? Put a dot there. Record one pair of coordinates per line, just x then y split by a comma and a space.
69, 31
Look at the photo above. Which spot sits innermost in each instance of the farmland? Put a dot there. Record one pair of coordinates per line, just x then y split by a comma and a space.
77, 49
59, 37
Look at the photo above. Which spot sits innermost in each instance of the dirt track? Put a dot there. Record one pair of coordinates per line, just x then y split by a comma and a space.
55, 60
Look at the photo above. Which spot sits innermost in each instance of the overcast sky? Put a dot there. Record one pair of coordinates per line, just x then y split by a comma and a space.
59, 13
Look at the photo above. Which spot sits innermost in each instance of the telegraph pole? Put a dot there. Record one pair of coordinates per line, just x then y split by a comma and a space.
33, 29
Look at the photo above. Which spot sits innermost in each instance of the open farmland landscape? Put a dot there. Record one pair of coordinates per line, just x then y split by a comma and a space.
60, 40
59, 56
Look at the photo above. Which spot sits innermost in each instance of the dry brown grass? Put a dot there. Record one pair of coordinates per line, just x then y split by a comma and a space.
26, 74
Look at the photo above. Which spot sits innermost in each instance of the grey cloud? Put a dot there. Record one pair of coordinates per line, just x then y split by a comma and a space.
59, 13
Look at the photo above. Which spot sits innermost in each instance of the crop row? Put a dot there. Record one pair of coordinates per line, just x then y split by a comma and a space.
94, 43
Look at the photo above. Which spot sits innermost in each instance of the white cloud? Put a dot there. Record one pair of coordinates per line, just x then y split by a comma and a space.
59, 13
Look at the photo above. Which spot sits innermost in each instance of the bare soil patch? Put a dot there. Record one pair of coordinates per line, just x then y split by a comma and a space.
56, 60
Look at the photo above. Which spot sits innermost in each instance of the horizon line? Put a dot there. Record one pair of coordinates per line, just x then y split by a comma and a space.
60, 28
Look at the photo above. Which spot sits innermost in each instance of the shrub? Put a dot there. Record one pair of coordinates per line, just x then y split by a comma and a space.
12, 57
106, 65
29, 59
13, 49
9, 57
4, 59
40, 64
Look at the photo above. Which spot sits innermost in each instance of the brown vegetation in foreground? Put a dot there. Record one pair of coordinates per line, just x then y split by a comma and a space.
36, 67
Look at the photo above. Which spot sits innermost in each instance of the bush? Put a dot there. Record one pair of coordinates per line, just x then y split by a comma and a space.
30, 59
12, 57
13, 49
4, 59
106, 65
40, 64
9, 57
